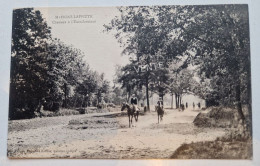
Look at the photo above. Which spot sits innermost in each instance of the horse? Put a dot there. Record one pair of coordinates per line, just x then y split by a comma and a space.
131, 113
182, 107
160, 113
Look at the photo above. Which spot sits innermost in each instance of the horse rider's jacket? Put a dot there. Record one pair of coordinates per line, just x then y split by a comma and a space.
134, 103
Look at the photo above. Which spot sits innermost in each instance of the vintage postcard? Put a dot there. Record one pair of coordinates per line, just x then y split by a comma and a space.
131, 82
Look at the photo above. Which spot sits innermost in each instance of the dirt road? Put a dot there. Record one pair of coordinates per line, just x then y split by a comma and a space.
105, 135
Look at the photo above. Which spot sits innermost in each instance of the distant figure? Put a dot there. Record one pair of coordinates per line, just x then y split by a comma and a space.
159, 109
186, 105
145, 109
103, 103
193, 105
182, 107
160, 102
199, 105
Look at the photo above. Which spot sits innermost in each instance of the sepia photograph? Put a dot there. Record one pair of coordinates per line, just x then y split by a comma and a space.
131, 82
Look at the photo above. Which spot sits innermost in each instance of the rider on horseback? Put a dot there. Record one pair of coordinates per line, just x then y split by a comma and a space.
134, 103
160, 103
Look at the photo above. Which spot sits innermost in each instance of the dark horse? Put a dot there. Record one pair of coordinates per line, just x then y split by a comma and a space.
160, 113
130, 112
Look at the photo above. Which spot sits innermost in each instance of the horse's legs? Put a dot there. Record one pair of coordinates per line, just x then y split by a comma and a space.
136, 116
132, 119
129, 121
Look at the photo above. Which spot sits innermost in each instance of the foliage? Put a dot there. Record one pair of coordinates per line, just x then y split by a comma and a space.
28, 62
47, 73
219, 49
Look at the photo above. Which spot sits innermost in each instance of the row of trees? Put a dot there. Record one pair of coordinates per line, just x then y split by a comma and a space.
164, 81
46, 71
213, 39
173, 49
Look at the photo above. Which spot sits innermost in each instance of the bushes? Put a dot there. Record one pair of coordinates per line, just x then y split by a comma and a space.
236, 144
218, 117
81, 110
66, 112
20, 113
215, 150
61, 112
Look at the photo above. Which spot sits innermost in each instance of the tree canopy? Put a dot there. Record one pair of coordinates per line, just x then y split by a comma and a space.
212, 38
46, 71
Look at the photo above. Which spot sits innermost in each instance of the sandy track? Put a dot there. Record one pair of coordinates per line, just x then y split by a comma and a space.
105, 135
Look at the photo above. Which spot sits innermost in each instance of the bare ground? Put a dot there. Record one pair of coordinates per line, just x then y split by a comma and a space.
106, 135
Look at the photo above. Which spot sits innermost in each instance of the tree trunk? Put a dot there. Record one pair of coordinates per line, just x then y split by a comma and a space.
172, 101
249, 99
86, 98
238, 100
176, 100
238, 87
75, 102
86, 105
178, 97
39, 106
129, 96
65, 95
83, 101
147, 94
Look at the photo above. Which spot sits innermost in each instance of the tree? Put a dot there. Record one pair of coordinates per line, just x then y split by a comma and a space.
139, 32
66, 67
45, 71
160, 82
127, 77
28, 84
118, 96
181, 82
102, 87
86, 86
221, 46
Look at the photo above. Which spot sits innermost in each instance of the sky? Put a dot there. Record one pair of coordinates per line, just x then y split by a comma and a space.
101, 49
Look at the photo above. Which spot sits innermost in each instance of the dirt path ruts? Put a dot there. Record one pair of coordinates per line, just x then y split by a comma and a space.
99, 136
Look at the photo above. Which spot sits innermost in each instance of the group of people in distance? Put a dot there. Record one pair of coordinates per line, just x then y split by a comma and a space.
197, 105
134, 103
